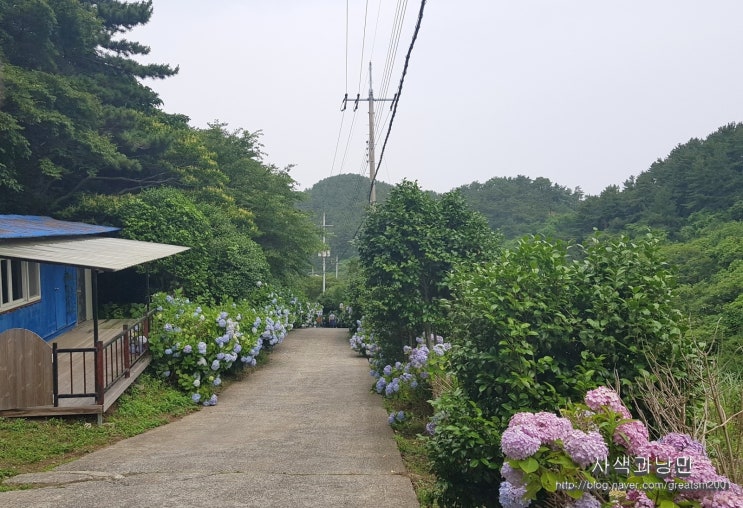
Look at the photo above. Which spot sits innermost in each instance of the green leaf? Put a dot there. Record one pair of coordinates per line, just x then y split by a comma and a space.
549, 481
529, 465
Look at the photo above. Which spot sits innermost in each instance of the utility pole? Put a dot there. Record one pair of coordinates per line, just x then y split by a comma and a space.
371, 100
325, 253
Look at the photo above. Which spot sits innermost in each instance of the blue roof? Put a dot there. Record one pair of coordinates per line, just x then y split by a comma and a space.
34, 226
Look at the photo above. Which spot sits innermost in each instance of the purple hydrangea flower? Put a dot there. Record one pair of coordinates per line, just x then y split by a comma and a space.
606, 397
187, 348
548, 427
518, 444
684, 443
168, 351
586, 501
202, 348
585, 448
215, 365
196, 397
513, 476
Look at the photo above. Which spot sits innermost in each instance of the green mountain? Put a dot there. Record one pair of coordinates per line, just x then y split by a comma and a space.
344, 200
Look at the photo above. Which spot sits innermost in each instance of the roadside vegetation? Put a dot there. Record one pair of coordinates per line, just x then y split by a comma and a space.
521, 334
32, 445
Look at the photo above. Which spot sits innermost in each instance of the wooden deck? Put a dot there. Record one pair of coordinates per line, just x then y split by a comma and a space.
76, 387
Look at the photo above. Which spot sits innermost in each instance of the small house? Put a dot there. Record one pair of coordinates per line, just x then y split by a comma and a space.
56, 357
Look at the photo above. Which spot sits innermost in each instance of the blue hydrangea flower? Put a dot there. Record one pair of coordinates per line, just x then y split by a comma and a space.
202, 348
215, 365
168, 351
196, 397
187, 348
512, 496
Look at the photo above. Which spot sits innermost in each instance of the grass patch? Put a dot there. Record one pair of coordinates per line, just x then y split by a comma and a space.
29, 445
411, 443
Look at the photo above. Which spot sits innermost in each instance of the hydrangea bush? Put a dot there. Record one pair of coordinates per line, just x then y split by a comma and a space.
596, 455
194, 345
362, 342
404, 381
405, 377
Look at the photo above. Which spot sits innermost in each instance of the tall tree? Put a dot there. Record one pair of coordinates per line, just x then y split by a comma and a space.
71, 98
287, 235
407, 246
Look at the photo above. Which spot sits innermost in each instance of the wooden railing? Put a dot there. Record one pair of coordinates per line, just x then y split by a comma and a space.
106, 362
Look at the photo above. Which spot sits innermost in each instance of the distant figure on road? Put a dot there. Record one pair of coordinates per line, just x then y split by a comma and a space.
331, 320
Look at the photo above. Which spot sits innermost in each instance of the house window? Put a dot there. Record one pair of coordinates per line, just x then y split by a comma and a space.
20, 283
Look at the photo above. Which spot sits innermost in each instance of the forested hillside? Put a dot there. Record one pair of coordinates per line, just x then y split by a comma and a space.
521, 206
83, 139
344, 199
698, 177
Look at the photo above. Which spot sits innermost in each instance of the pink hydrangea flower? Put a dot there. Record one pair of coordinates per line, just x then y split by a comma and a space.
640, 498
606, 397
547, 427
723, 499
632, 436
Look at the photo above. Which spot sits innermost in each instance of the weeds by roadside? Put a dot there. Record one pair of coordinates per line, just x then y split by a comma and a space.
38, 444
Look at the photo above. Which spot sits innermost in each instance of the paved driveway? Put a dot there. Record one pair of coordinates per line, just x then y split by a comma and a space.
304, 430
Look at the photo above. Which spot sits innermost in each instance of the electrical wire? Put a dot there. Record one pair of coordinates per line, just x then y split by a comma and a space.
399, 93
363, 45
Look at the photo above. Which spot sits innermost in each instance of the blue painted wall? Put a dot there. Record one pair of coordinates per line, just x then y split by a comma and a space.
56, 312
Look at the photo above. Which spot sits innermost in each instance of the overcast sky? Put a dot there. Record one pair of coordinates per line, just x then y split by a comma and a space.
583, 92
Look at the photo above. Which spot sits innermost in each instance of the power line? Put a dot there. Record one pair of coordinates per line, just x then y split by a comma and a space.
399, 92
363, 44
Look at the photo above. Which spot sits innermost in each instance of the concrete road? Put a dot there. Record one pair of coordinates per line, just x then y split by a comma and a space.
304, 430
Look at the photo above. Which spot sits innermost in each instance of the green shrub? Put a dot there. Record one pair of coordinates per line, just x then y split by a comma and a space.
539, 327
